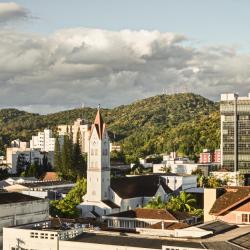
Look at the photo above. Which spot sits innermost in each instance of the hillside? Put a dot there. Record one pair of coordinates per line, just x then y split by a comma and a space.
185, 122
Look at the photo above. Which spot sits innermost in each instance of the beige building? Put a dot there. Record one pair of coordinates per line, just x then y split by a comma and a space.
77, 126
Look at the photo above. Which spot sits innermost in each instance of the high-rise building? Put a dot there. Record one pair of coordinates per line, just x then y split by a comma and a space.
43, 141
235, 132
78, 125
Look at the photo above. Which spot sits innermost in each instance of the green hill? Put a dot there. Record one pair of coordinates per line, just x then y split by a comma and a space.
184, 122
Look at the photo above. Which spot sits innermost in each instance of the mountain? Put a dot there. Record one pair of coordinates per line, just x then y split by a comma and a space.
185, 122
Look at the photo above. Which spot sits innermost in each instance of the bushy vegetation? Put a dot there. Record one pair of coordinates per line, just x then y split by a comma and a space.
182, 122
67, 207
183, 202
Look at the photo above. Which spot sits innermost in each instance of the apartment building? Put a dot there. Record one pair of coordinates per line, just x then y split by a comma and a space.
43, 141
80, 126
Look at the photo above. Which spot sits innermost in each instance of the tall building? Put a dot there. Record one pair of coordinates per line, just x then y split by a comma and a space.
77, 126
235, 132
43, 141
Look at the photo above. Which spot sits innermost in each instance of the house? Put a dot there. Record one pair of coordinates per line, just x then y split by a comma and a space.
231, 204
149, 218
19, 209
105, 196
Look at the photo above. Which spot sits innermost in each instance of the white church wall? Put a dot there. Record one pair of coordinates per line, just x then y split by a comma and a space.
128, 204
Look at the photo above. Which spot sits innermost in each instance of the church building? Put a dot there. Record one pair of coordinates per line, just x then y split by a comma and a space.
105, 195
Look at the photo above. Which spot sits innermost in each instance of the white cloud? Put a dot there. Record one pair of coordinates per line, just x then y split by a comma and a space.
10, 11
92, 66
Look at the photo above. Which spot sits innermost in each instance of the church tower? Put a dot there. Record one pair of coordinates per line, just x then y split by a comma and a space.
98, 171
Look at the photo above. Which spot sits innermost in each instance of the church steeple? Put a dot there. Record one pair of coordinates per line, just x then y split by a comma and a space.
98, 124
98, 173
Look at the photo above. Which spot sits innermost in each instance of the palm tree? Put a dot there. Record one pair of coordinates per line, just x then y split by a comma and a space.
183, 202
156, 203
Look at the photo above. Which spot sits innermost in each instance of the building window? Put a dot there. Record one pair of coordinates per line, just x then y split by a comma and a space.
245, 218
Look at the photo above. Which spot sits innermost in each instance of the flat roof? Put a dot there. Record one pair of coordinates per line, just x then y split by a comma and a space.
6, 198
133, 241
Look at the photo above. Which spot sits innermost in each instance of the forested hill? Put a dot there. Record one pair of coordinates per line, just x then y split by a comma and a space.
184, 122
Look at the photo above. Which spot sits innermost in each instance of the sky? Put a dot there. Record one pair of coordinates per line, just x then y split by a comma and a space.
57, 55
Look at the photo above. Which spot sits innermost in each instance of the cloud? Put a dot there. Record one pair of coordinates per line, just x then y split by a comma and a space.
11, 11
73, 66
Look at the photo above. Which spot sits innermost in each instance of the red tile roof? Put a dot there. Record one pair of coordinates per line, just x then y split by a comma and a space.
232, 197
51, 176
148, 213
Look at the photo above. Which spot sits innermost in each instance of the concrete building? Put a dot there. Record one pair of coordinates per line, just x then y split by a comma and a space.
44, 235
105, 196
208, 156
78, 125
180, 182
52, 190
235, 133
231, 205
23, 156
17, 209
43, 141
19, 144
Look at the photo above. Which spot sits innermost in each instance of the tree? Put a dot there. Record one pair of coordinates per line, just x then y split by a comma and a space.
77, 158
165, 169
156, 203
183, 202
67, 207
57, 156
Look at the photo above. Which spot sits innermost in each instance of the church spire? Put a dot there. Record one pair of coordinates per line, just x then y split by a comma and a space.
98, 123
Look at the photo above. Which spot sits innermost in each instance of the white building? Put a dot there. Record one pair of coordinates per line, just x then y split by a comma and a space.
105, 196
78, 125
44, 235
180, 182
43, 141
181, 165
26, 156
19, 144
17, 209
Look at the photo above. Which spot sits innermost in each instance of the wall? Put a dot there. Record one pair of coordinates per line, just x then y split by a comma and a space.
22, 213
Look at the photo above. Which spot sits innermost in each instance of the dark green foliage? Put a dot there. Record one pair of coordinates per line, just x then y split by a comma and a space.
182, 122
78, 160
3, 174
66, 208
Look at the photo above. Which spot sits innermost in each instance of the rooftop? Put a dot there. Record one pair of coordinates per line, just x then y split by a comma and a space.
232, 197
138, 186
157, 214
133, 241
6, 198
45, 183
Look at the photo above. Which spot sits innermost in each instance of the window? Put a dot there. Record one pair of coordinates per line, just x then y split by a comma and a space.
245, 218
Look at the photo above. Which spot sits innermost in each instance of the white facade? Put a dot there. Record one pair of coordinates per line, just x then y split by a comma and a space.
175, 182
98, 172
77, 126
28, 155
43, 141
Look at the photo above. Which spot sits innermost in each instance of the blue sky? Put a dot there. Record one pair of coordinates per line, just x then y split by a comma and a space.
223, 21
59, 54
